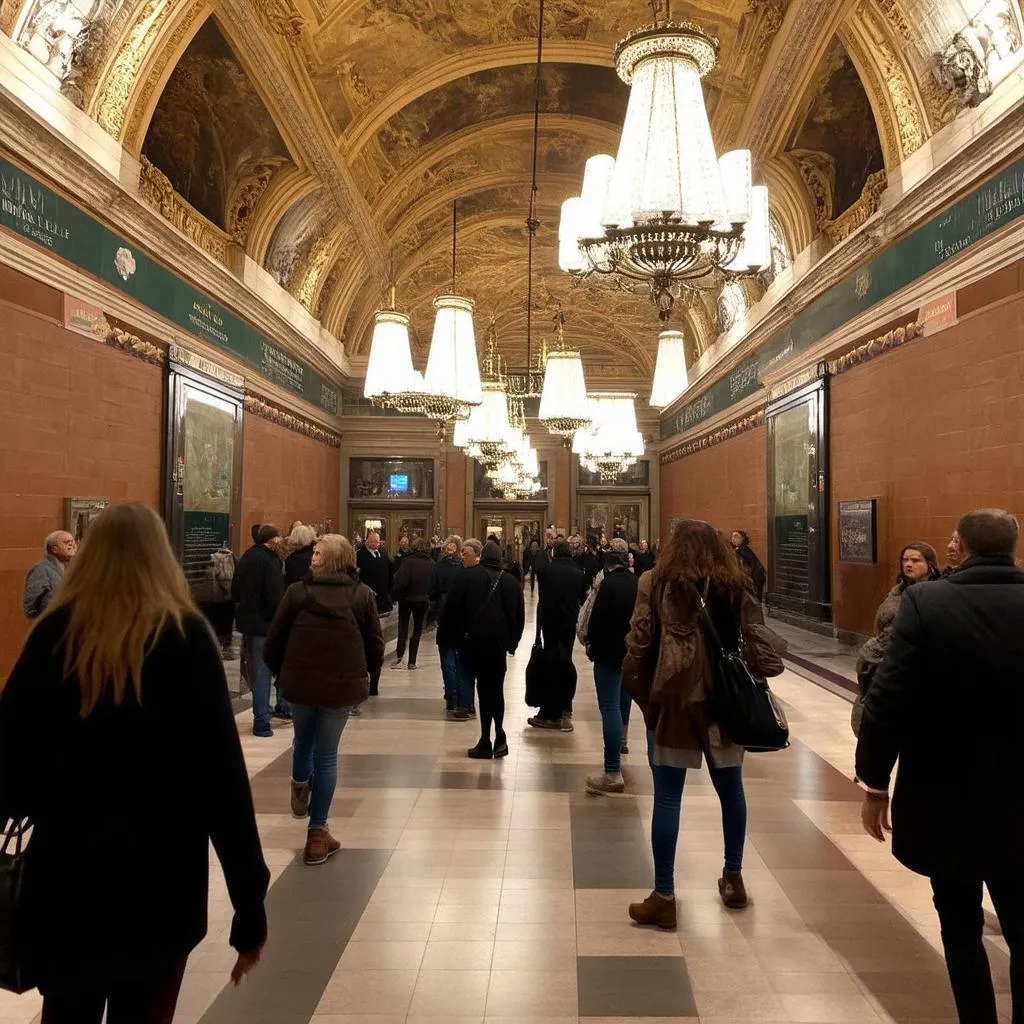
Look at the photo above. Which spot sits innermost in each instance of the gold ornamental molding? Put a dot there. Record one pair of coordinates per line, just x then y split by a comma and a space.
710, 439
793, 382
255, 405
861, 212
876, 347
178, 354
133, 345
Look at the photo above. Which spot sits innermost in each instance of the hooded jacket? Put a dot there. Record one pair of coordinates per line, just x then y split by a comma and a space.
325, 642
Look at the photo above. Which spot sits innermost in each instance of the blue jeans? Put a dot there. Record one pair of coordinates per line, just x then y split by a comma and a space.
615, 705
464, 680
315, 755
450, 674
668, 798
259, 682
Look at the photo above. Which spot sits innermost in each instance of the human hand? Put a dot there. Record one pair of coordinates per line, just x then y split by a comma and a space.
244, 964
874, 815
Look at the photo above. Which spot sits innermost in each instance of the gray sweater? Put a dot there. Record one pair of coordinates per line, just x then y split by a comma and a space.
41, 585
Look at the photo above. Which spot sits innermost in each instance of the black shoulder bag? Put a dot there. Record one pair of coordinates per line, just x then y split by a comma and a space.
744, 706
536, 669
15, 975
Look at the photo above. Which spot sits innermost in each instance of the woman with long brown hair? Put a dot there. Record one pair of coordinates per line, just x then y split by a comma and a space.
668, 671
123, 802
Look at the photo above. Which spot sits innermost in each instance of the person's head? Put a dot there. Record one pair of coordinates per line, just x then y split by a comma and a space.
549, 537
955, 549
332, 554
988, 533
421, 545
403, 543
452, 546
617, 553
301, 537
697, 551
61, 545
471, 551
491, 552
124, 588
254, 532
918, 561
373, 540
562, 549
604, 540
644, 546
739, 538
268, 535
291, 529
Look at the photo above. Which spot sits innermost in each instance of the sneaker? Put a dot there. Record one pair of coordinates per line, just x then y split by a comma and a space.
263, 732
733, 891
463, 715
501, 749
281, 715
355, 712
659, 911
565, 724
320, 845
543, 723
449, 705
605, 783
300, 798
397, 664
412, 666
481, 752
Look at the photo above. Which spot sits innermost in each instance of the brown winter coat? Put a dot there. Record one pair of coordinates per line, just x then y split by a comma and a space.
673, 683
872, 653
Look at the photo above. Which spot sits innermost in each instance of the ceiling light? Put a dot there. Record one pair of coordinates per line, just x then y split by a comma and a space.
564, 408
670, 378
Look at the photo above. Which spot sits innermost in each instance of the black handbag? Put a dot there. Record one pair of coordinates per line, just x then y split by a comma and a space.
744, 706
536, 671
15, 975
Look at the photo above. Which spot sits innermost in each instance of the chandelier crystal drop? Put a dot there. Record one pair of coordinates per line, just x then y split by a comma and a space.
670, 377
667, 211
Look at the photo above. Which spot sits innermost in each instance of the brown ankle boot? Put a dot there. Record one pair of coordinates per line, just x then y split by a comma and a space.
320, 845
655, 910
733, 891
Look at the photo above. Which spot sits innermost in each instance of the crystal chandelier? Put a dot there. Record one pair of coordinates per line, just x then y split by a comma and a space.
390, 377
670, 377
668, 212
563, 402
612, 443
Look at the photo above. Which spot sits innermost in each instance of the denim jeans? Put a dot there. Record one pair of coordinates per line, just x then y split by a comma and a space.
315, 755
668, 798
464, 680
450, 674
615, 705
259, 682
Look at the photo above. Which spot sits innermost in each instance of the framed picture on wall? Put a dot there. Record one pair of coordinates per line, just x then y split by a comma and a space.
79, 513
858, 531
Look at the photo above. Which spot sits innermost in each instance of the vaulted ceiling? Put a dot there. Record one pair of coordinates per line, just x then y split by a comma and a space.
329, 138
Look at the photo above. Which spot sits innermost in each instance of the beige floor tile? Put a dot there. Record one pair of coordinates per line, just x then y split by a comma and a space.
458, 956
514, 931
392, 931
381, 992
740, 1007
382, 956
470, 931
450, 994
532, 994
535, 955
833, 1009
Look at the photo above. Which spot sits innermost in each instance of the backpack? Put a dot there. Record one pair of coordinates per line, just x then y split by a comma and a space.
223, 570
583, 619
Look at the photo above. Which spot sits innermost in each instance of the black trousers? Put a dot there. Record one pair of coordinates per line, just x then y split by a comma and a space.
147, 995
489, 667
560, 690
221, 616
963, 920
416, 609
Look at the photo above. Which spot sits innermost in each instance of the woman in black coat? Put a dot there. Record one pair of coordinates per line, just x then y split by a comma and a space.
123, 806
485, 616
750, 562
300, 542
411, 589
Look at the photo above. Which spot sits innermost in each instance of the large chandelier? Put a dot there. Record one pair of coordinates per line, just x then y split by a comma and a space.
668, 212
563, 402
612, 443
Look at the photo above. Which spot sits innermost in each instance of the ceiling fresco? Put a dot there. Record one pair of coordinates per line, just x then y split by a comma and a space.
836, 142
210, 127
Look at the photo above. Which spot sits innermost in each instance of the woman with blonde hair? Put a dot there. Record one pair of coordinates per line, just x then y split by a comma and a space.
300, 553
324, 644
668, 670
123, 806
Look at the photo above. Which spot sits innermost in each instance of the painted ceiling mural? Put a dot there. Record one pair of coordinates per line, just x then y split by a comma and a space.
210, 127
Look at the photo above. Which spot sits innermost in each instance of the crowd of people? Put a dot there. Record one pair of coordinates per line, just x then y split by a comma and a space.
119, 645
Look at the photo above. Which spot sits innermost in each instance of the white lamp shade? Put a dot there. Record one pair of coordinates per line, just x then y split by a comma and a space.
564, 395
488, 422
460, 433
452, 368
389, 368
570, 231
666, 165
756, 253
597, 177
734, 168
670, 379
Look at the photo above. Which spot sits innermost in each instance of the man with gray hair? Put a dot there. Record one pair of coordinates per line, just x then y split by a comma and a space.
948, 702
45, 577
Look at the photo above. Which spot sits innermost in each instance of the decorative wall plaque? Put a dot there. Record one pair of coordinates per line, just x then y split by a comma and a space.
858, 533
79, 514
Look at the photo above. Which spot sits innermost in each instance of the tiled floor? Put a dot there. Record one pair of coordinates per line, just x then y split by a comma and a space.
471, 892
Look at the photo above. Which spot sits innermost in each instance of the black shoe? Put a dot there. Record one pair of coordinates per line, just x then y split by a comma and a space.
501, 749
282, 715
449, 705
263, 732
481, 752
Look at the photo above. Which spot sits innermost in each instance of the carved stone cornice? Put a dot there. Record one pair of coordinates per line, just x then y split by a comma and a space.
780, 388
857, 215
156, 188
710, 439
876, 347
133, 345
34, 144
179, 354
257, 406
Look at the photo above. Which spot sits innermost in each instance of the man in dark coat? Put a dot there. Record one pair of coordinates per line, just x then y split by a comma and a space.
643, 560
376, 571
411, 588
587, 562
561, 594
257, 588
607, 629
948, 702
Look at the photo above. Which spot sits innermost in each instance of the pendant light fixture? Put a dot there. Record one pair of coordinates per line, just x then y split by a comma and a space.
391, 382
670, 378
563, 402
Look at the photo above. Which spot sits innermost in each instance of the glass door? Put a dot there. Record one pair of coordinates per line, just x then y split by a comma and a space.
391, 524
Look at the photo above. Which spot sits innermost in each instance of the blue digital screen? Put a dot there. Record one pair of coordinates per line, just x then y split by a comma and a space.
399, 483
